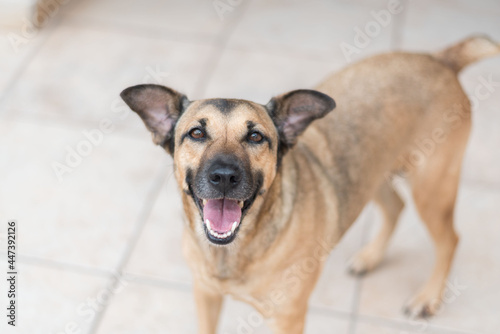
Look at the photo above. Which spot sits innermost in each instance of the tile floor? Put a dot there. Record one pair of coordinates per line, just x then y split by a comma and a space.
117, 210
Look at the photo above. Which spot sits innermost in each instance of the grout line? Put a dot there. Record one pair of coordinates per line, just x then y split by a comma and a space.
16, 75
148, 205
62, 265
77, 20
159, 282
137, 30
72, 124
406, 325
215, 57
400, 324
61, 122
98, 272
398, 27
319, 310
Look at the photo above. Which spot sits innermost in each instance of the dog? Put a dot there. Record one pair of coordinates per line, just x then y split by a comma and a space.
268, 191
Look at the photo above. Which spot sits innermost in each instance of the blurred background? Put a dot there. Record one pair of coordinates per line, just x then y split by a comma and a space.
98, 217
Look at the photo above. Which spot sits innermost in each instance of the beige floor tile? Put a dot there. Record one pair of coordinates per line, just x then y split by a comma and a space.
145, 309
431, 25
313, 28
15, 49
258, 75
183, 18
482, 161
473, 302
158, 251
88, 217
79, 74
52, 300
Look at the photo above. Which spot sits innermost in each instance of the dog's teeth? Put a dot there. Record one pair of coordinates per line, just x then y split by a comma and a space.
204, 202
240, 203
220, 235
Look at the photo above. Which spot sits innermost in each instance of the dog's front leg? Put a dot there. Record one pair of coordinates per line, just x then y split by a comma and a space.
208, 304
290, 296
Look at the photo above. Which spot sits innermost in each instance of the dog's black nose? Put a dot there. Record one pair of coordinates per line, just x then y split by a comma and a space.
224, 177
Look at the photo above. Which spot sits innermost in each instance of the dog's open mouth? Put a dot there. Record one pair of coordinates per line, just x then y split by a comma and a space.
222, 217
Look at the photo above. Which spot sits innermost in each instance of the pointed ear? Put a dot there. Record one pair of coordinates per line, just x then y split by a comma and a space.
160, 108
294, 111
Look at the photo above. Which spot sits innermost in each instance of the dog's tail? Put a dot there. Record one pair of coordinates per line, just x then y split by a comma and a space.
468, 51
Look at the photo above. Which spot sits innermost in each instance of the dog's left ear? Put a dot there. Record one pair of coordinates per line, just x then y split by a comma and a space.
159, 108
294, 111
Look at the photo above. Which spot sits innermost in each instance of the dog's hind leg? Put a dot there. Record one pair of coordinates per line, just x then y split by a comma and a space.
372, 254
434, 188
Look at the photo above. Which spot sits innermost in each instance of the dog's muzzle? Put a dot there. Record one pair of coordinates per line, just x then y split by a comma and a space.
223, 190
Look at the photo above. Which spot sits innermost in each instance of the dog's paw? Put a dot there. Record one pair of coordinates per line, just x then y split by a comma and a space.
423, 305
363, 262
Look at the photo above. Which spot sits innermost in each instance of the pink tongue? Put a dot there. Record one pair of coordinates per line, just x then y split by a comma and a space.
222, 213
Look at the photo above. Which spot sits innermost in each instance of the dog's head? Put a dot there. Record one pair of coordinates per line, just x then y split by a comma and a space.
226, 152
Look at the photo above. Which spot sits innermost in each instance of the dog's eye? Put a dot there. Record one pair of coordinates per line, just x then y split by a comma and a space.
196, 134
255, 137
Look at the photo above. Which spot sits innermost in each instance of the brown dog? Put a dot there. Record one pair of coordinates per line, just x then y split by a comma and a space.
264, 206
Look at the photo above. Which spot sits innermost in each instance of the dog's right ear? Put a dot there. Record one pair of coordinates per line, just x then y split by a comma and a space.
159, 108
